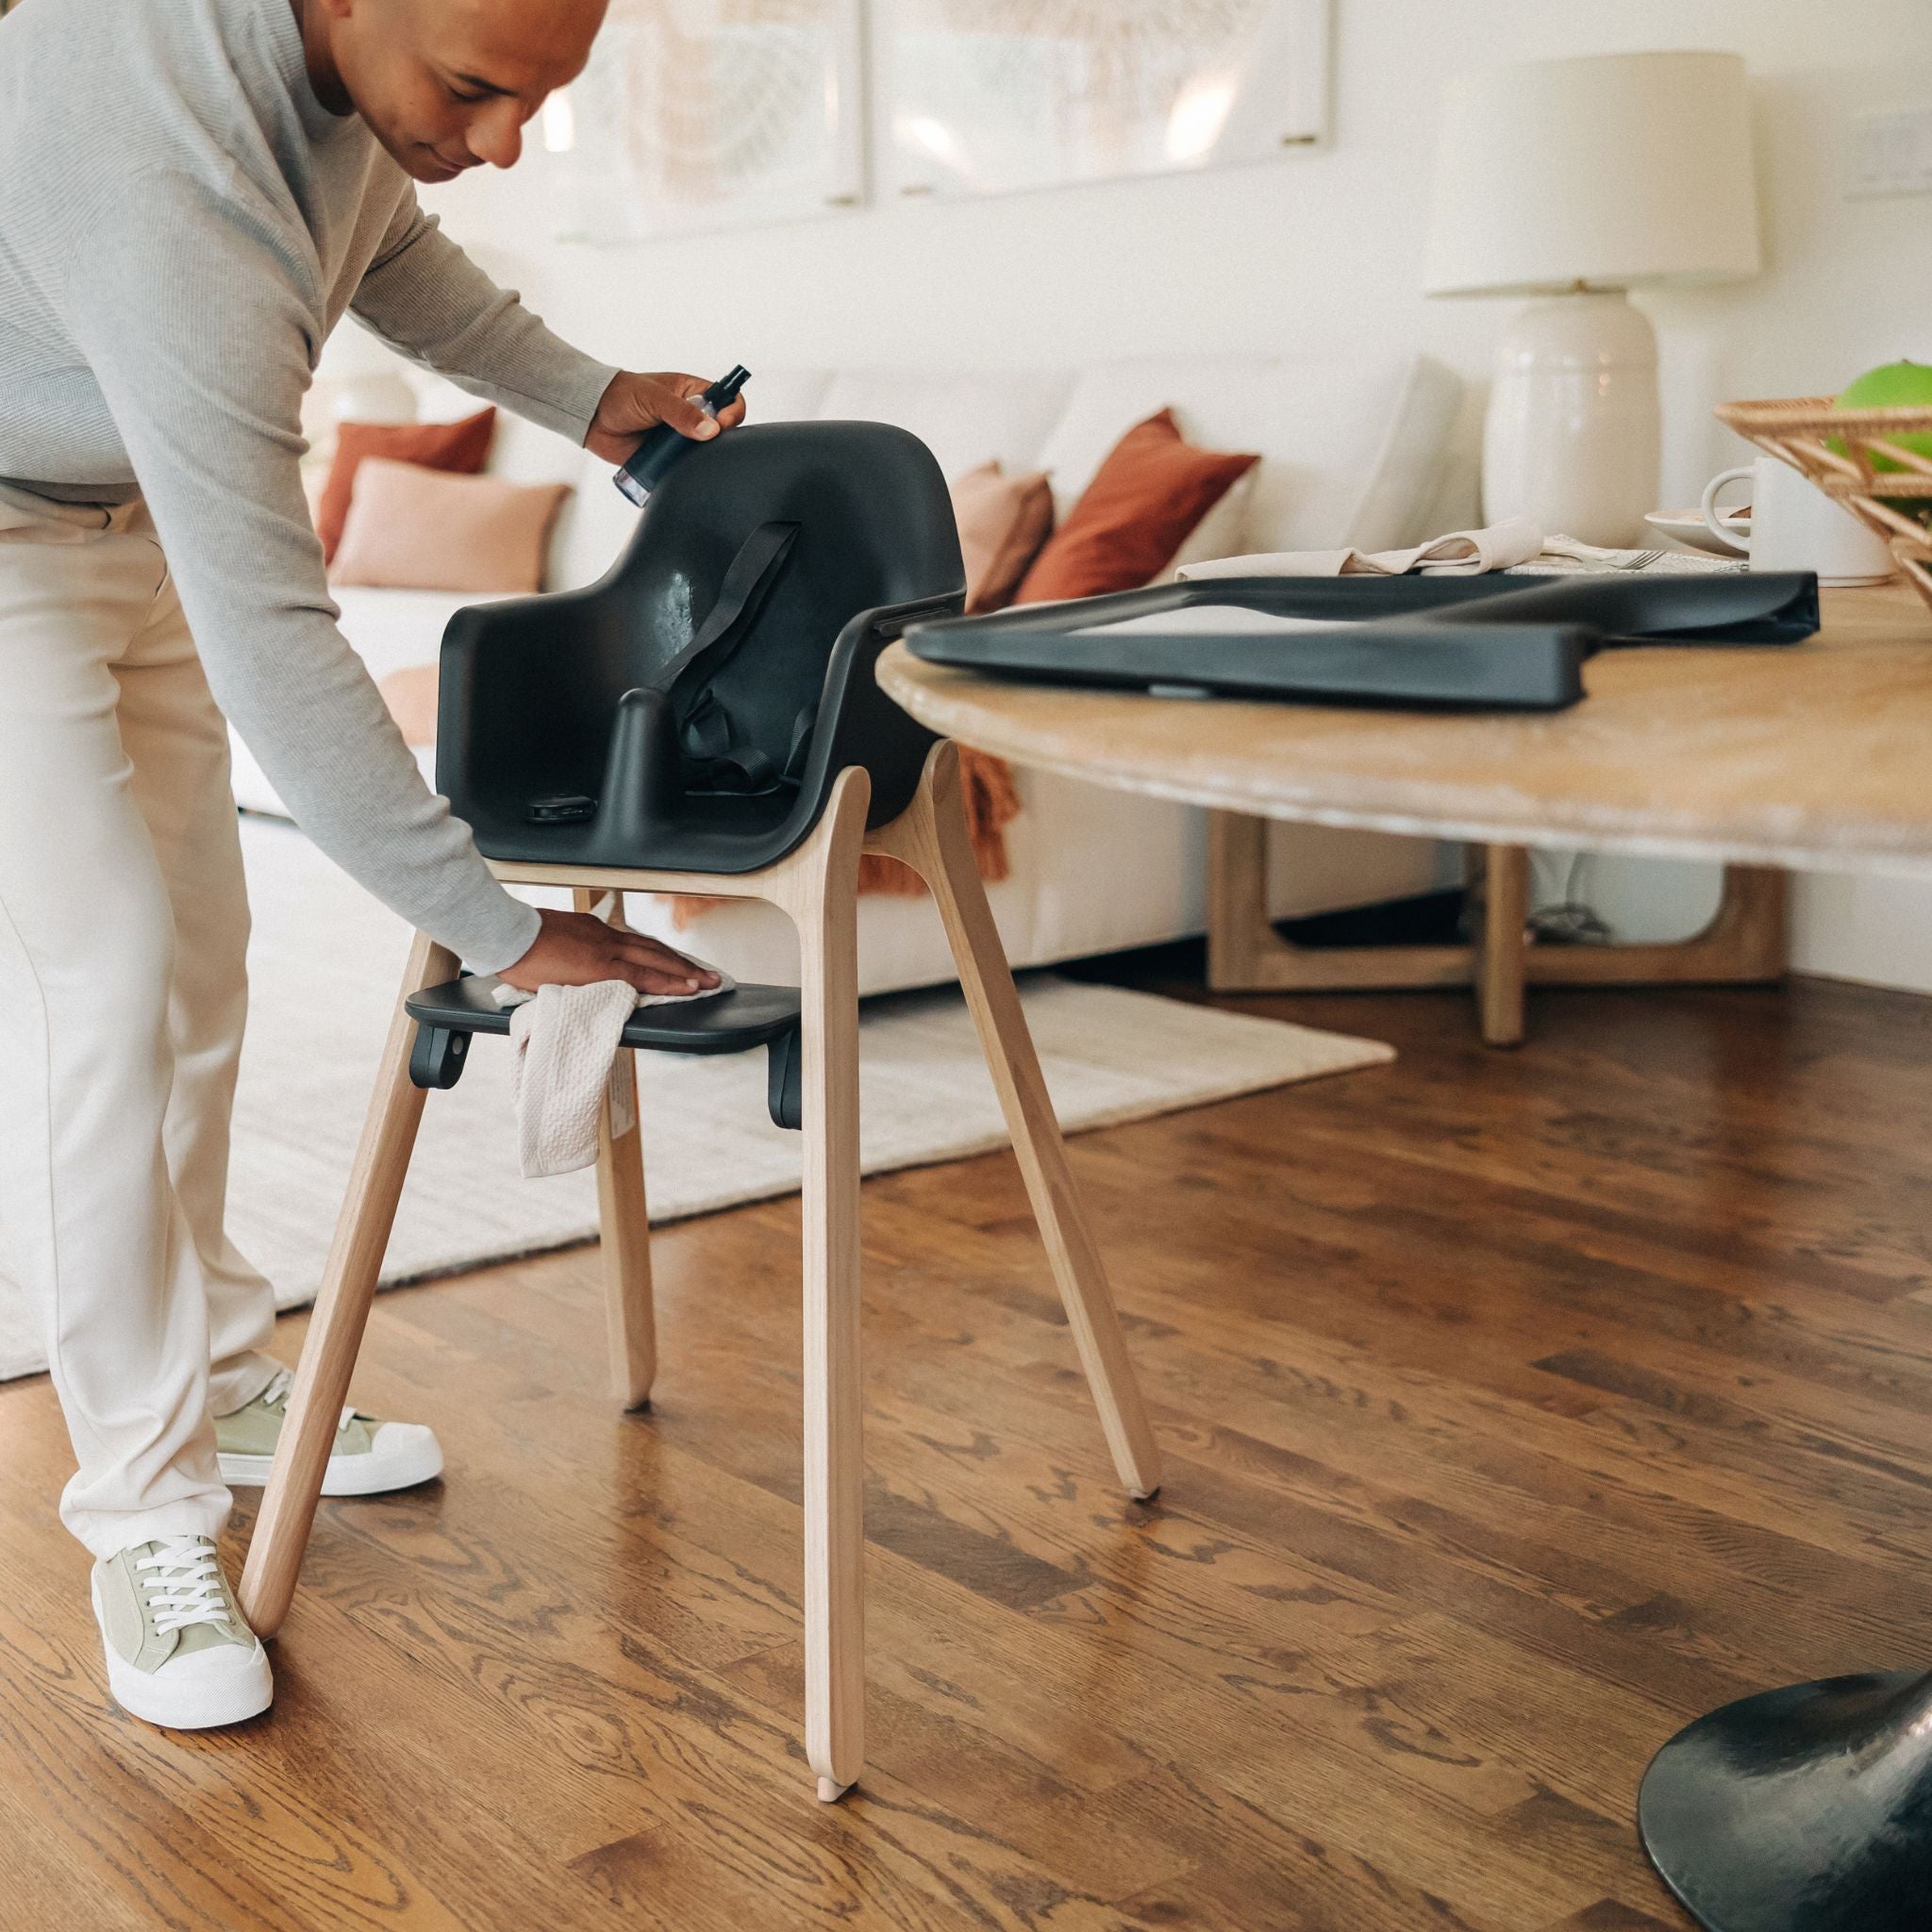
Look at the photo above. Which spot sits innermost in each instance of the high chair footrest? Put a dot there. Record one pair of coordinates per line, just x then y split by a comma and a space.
734, 1022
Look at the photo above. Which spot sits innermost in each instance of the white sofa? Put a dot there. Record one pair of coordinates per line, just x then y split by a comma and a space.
1354, 452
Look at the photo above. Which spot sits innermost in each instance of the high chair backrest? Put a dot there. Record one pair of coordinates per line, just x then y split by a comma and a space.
691, 709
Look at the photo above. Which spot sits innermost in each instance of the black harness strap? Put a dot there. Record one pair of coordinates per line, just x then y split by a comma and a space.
705, 727
747, 583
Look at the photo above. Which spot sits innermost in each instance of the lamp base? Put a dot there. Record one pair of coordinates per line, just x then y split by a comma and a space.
1806, 1810
1571, 441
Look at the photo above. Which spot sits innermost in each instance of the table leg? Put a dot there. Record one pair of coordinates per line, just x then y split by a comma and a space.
1503, 959
1805, 1810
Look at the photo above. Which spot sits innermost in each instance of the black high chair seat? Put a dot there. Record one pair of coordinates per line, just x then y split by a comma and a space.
691, 709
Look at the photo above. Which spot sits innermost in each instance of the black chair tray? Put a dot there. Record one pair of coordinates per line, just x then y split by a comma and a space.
733, 1021
1492, 642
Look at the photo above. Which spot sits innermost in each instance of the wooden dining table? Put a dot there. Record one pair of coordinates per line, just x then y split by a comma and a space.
1815, 755
1802, 1809
1806, 757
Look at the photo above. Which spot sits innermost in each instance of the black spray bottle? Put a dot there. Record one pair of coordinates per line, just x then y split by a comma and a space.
663, 445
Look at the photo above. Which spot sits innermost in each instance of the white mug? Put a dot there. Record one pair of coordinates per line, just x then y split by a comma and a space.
1794, 526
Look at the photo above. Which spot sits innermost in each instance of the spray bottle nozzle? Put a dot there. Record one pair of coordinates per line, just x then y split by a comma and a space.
726, 387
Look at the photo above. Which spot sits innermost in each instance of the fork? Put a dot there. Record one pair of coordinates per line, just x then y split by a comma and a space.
1597, 558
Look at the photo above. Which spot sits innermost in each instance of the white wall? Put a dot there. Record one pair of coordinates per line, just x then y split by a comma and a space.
1321, 251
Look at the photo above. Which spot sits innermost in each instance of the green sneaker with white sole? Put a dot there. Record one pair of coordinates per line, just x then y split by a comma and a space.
368, 1456
179, 1652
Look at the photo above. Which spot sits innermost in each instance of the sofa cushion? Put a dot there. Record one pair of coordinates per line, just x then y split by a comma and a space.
1351, 447
965, 418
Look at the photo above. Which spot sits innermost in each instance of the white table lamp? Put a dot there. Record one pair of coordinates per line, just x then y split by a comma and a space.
1576, 180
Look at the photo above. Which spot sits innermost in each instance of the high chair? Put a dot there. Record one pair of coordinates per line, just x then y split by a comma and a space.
705, 719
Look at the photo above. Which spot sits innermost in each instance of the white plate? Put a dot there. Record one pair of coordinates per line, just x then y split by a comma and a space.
1687, 527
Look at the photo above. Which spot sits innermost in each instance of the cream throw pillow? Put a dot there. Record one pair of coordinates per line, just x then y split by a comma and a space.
1003, 523
412, 528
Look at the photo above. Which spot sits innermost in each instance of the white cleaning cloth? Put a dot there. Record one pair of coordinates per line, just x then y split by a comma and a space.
565, 1040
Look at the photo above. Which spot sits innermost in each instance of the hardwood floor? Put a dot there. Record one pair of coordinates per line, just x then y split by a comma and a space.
1516, 1408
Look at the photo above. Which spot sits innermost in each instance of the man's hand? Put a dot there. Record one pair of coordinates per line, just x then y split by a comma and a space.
578, 949
633, 403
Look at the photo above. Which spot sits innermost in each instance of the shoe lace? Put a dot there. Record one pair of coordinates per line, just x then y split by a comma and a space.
187, 1584
276, 1396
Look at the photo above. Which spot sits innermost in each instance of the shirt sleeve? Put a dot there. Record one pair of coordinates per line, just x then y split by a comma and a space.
196, 324
430, 303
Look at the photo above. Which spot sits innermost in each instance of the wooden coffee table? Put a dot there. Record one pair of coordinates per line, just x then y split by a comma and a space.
1811, 757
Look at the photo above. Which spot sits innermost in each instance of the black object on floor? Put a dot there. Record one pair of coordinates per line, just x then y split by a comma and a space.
1422, 919
1802, 1809
1487, 643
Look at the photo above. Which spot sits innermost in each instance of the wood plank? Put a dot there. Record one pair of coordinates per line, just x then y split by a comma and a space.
1515, 1409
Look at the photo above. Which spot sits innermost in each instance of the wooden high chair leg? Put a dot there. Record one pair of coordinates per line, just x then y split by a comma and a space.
820, 891
931, 837
624, 1223
341, 1310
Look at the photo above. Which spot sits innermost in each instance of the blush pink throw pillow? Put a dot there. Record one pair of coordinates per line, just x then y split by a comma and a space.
461, 446
1003, 522
412, 528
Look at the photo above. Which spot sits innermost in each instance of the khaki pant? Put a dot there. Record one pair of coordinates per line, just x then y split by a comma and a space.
123, 921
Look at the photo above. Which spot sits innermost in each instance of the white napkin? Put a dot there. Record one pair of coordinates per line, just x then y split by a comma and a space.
1515, 544
1461, 553
565, 1040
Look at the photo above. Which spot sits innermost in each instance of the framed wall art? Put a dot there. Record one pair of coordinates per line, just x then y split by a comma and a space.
709, 114
989, 97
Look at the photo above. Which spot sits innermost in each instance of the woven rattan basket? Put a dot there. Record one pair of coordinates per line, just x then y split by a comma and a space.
1835, 448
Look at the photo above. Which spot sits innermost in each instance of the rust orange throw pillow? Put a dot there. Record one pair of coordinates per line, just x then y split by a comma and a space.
463, 446
1140, 508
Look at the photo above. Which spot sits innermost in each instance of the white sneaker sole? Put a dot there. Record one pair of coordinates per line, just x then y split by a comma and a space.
193, 1705
414, 1456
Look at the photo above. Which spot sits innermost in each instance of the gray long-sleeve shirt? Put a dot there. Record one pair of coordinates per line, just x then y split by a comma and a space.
181, 224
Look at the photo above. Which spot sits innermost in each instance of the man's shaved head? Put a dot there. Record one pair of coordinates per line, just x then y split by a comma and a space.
445, 84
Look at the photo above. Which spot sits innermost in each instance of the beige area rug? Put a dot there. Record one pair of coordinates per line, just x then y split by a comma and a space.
325, 963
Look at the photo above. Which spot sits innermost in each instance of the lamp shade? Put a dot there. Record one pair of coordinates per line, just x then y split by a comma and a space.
1613, 170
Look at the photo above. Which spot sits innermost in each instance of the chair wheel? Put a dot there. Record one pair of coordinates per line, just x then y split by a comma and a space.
438, 1057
